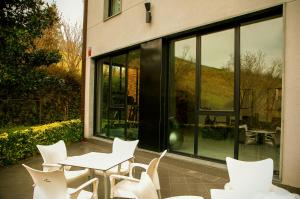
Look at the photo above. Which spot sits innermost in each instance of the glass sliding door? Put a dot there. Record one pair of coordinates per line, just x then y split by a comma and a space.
133, 92
216, 91
117, 96
102, 97
118, 93
260, 90
228, 102
182, 95
216, 136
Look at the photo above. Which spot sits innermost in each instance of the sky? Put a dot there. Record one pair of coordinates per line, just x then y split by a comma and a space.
71, 10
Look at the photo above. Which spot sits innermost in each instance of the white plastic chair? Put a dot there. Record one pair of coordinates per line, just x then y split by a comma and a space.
274, 138
250, 178
250, 137
125, 187
53, 154
145, 189
154, 177
121, 148
53, 184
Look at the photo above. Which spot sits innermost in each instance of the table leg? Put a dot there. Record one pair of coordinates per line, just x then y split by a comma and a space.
105, 185
91, 176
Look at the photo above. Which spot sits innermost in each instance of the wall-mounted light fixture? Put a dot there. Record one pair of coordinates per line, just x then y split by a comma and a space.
148, 11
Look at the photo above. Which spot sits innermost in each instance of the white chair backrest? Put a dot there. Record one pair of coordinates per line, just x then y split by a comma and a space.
152, 167
48, 185
278, 129
54, 153
250, 176
124, 147
145, 188
243, 126
162, 155
155, 178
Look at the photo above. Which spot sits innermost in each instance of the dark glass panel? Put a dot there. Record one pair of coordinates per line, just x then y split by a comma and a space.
118, 81
217, 71
114, 7
261, 90
182, 96
216, 136
133, 88
102, 96
118, 93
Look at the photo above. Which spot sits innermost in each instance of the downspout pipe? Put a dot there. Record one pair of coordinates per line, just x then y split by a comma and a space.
83, 65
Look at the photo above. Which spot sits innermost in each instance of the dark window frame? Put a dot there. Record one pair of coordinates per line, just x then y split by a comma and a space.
235, 23
109, 56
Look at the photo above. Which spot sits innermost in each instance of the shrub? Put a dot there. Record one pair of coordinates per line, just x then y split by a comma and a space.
20, 142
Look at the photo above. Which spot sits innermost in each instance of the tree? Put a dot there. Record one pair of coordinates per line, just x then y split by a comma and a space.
24, 47
21, 23
71, 45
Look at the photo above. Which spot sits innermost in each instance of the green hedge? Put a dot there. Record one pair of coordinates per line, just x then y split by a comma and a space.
20, 142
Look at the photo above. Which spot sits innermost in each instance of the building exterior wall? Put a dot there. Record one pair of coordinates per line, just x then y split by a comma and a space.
291, 103
171, 16
168, 16
89, 98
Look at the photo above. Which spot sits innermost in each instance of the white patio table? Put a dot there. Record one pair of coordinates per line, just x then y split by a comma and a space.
261, 133
97, 161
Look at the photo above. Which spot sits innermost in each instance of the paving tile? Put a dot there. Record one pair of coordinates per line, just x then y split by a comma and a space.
177, 179
209, 178
179, 189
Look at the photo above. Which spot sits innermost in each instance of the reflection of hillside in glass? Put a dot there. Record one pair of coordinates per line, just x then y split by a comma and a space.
260, 87
216, 88
217, 84
217, 74
185, 73
184, 81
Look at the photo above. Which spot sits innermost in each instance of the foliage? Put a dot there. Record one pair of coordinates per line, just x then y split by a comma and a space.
70, 46
20, 142
34, 88
22, 22
53, 97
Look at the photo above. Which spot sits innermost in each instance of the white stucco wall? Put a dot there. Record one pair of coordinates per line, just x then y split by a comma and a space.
170, 16
89, 98
291, 115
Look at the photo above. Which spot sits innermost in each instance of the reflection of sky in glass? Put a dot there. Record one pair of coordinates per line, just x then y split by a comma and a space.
186, 49
217, 48
265, 36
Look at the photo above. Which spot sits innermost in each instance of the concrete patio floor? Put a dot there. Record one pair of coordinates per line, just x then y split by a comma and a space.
178, 175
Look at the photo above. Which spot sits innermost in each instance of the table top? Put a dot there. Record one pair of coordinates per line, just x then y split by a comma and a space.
185, 197
96, 160
227, 194
261, 131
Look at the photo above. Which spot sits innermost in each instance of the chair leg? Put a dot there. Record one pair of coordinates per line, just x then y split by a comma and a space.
159, 194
